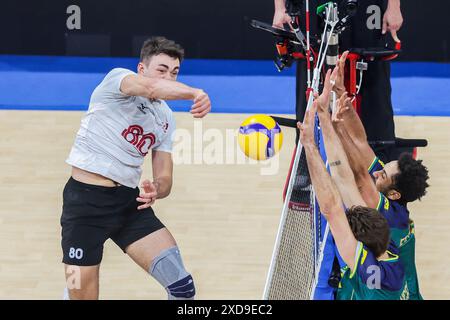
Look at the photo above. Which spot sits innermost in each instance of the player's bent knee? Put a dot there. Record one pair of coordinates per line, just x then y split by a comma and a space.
169, 271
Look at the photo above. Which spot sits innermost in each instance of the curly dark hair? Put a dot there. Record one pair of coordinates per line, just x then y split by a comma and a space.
370, 227
158, 45
411, 181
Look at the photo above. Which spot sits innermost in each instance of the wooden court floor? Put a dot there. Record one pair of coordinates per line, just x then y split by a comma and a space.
224, 216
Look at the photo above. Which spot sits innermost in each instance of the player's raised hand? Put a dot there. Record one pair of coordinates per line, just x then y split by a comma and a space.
344, 104
148, 197
307, 127
339, 86
323, 100
202, 104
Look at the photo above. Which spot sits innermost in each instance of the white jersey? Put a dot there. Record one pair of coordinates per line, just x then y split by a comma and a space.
118, 131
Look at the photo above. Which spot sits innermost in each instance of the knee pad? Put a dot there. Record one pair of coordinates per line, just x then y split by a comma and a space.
169, 271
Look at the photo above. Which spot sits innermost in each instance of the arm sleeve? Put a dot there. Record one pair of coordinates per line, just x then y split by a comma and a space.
108, 93
110, 85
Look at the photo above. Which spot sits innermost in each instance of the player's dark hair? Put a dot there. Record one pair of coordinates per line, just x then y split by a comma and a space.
411, 181
158, 45
370, 227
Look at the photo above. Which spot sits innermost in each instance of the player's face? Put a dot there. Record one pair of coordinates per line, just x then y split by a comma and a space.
384, 178
162, 66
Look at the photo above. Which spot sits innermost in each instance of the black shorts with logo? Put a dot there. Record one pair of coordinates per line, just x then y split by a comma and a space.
93, 214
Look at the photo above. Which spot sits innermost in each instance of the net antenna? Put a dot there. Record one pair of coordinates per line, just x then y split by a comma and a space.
298, 250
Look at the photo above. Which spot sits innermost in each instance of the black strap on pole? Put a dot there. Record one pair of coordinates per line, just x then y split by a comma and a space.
400, 143
286, 122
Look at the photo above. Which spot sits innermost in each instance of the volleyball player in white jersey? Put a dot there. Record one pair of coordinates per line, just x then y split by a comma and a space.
127, 119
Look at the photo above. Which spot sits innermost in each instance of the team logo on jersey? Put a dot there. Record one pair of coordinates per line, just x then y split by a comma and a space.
135, 135
142, 108
386, 204
165, 127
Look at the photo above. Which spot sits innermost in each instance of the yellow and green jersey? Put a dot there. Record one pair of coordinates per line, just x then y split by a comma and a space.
373, 279
376, 165
402, 233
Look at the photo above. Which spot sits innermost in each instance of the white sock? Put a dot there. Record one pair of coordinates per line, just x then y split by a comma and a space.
66, 294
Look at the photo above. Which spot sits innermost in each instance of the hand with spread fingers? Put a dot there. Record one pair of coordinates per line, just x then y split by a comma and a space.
344, 104
323, 99
148, 197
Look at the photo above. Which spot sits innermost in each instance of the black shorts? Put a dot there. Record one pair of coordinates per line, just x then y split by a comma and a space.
93, 214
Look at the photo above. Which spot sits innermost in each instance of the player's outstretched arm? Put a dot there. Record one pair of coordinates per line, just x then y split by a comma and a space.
352, 122
350, 119
326, 192
359, 158
359, 152
156, 88
363, 179
337, 160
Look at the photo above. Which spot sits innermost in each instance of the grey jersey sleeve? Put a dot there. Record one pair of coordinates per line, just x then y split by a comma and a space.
166, 143
109, 89
112, 81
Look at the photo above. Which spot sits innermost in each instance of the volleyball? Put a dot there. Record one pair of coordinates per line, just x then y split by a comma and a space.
260, 137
